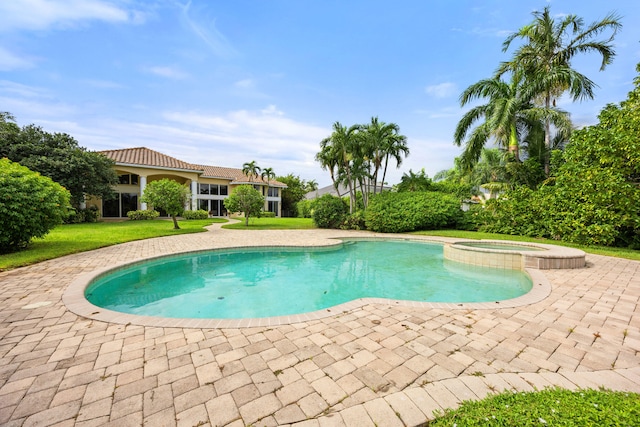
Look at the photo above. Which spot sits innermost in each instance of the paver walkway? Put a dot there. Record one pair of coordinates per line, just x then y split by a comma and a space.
374, 365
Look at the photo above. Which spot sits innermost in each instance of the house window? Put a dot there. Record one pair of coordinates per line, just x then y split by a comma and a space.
273, 192
129, 179
203, 188
118, 207
224, 190
273, 207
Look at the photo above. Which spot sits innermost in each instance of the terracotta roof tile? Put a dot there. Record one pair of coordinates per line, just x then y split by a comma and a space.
146, 157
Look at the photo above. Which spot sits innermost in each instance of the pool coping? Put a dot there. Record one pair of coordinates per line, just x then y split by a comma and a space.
75, 301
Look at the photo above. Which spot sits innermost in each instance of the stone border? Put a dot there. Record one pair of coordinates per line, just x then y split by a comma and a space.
550, 257
74, 299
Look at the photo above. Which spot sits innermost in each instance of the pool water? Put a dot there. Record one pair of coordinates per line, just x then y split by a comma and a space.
265, 282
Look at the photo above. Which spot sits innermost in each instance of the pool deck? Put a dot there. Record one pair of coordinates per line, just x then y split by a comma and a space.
371, 364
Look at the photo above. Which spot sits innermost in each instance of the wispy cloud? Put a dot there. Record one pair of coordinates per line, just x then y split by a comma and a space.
10, 61
442, 90
245, 83
208, 33
168, 72
45, 14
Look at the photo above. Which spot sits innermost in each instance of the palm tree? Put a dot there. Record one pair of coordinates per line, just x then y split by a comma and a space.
269, 174
251, 170
546, 56
508, 115
337, 155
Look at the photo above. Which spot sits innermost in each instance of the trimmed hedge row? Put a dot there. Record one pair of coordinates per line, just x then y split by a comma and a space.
390, 212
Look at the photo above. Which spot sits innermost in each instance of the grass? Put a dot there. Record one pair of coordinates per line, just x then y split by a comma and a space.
272, 224
552, 407
597, 250
73, 238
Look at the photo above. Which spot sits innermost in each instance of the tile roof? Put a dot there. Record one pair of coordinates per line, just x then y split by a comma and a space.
143, 156
236, 175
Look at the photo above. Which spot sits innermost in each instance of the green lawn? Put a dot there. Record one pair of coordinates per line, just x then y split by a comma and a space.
549, 407
73, 238
598, 250
272, 224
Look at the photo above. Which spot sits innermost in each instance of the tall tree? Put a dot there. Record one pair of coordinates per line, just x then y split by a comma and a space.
337, 151
382, 143
251, 170
269, 174
549, 46
59, 157
508, 115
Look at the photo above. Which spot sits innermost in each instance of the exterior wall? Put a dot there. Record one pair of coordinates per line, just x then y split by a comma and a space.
213, 202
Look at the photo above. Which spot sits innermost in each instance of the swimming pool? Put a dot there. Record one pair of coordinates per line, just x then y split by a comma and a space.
264, 282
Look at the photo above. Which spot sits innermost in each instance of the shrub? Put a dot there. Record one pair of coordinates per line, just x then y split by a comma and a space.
30, 205
142, 215
330, 211
305, 208
267, 214
77, 216
354, 221
390, 212
199, 214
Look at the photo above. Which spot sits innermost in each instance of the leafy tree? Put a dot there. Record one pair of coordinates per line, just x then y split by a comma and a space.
545, 57
294, 193
383, 142
412, 181
355, 155
59, 157
168, 195
596, 191
507, 116
30, 205
267, 173
251, 170
245, 199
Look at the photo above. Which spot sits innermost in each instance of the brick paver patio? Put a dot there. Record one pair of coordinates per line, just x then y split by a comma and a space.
376, 364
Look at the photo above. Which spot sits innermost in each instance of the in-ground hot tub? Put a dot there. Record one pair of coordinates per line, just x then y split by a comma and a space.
515, 255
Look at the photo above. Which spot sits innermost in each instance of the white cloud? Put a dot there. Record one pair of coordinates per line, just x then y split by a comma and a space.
208, 33
10, 61
245, 84
44, 14
442, 90
168, 72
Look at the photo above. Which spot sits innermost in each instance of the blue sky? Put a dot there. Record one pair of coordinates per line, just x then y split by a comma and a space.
226, 82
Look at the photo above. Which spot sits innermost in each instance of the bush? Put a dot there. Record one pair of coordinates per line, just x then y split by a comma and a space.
30, 205
142, 215
78, 216
305, 208
199, 214
390, 212
354, 221
330, 211
267, 214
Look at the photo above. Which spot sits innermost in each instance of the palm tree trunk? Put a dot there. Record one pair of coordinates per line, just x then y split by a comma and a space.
547, 136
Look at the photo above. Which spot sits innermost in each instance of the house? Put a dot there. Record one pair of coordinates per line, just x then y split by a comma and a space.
209, 185
343, 191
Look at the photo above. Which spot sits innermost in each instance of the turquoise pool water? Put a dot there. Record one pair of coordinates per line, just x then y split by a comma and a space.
265, 282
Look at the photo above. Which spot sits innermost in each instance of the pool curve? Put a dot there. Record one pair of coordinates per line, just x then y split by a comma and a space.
76, 302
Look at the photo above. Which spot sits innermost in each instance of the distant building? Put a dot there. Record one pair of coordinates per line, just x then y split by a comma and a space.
209, 185
330, 189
